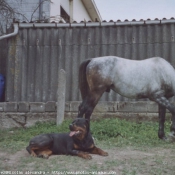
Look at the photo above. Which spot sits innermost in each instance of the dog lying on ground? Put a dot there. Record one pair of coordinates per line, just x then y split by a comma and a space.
78, 142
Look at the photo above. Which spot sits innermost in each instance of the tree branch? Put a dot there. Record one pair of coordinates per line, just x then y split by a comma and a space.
38, 7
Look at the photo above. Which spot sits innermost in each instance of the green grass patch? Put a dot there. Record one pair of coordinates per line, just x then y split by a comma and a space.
114, 132
122, 132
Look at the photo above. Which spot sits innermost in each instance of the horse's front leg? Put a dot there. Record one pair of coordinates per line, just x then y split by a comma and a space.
171, 108
164, 103
172, 128
162, 111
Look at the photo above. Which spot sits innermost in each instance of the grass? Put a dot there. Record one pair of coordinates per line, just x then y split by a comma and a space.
121, 132
114, 135
114, 132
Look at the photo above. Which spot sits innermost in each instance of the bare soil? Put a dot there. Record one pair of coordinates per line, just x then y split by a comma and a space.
121, 161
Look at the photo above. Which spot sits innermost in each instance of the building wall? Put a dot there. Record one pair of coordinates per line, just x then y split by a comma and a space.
36, 54
55, 8
79, 12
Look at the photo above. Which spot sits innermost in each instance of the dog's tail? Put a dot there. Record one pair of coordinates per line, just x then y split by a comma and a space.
83, 84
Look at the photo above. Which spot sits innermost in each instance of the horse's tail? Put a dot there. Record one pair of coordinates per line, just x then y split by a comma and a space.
83, 84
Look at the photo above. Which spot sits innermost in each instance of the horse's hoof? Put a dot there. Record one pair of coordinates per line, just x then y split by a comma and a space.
171, 137
164, 138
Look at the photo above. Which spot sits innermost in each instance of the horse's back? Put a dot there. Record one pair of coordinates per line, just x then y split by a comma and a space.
112, 64
130, 78
108, 63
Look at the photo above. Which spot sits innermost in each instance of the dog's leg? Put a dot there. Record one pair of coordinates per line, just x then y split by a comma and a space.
38, 144
45, 153
98, 151
80, 154
31, 151
84, 155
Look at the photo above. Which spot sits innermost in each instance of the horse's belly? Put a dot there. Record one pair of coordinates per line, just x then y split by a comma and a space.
128, 94
131, 91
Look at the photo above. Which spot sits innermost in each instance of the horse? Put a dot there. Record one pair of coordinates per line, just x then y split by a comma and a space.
152, 78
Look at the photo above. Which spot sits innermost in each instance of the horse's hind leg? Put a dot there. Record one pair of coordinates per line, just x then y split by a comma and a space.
89, 103
82, 108
92, 100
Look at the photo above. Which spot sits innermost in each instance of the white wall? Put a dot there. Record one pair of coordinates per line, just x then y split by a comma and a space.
55, 8
79, 11
55, 11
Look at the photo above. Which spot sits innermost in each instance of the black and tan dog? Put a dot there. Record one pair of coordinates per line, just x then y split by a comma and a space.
77, 142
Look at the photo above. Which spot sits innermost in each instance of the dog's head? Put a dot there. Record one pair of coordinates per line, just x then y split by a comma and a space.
79, 128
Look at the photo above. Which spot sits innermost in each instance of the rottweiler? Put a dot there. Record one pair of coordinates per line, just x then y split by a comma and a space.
78, 142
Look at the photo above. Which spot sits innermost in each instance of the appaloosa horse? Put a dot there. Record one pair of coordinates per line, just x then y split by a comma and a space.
152, 78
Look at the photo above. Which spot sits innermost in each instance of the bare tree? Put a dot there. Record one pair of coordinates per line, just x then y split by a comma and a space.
9, 12
6, 15
37, 7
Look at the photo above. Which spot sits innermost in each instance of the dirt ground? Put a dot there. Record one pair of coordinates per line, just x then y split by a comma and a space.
121, 161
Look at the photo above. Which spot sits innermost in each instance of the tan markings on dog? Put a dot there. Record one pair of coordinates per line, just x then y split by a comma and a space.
36, 151
98, 151
84, 155
92, 146
33, 153
76, 146
79, 132
33, 149
45, 153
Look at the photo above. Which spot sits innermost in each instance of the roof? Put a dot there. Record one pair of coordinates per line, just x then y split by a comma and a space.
93, 24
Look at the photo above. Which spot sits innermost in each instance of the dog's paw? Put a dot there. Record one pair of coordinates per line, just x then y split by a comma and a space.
45, 156
87, 156
104, 154
33, 154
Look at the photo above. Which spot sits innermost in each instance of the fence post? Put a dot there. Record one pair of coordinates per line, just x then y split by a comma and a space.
61, 96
